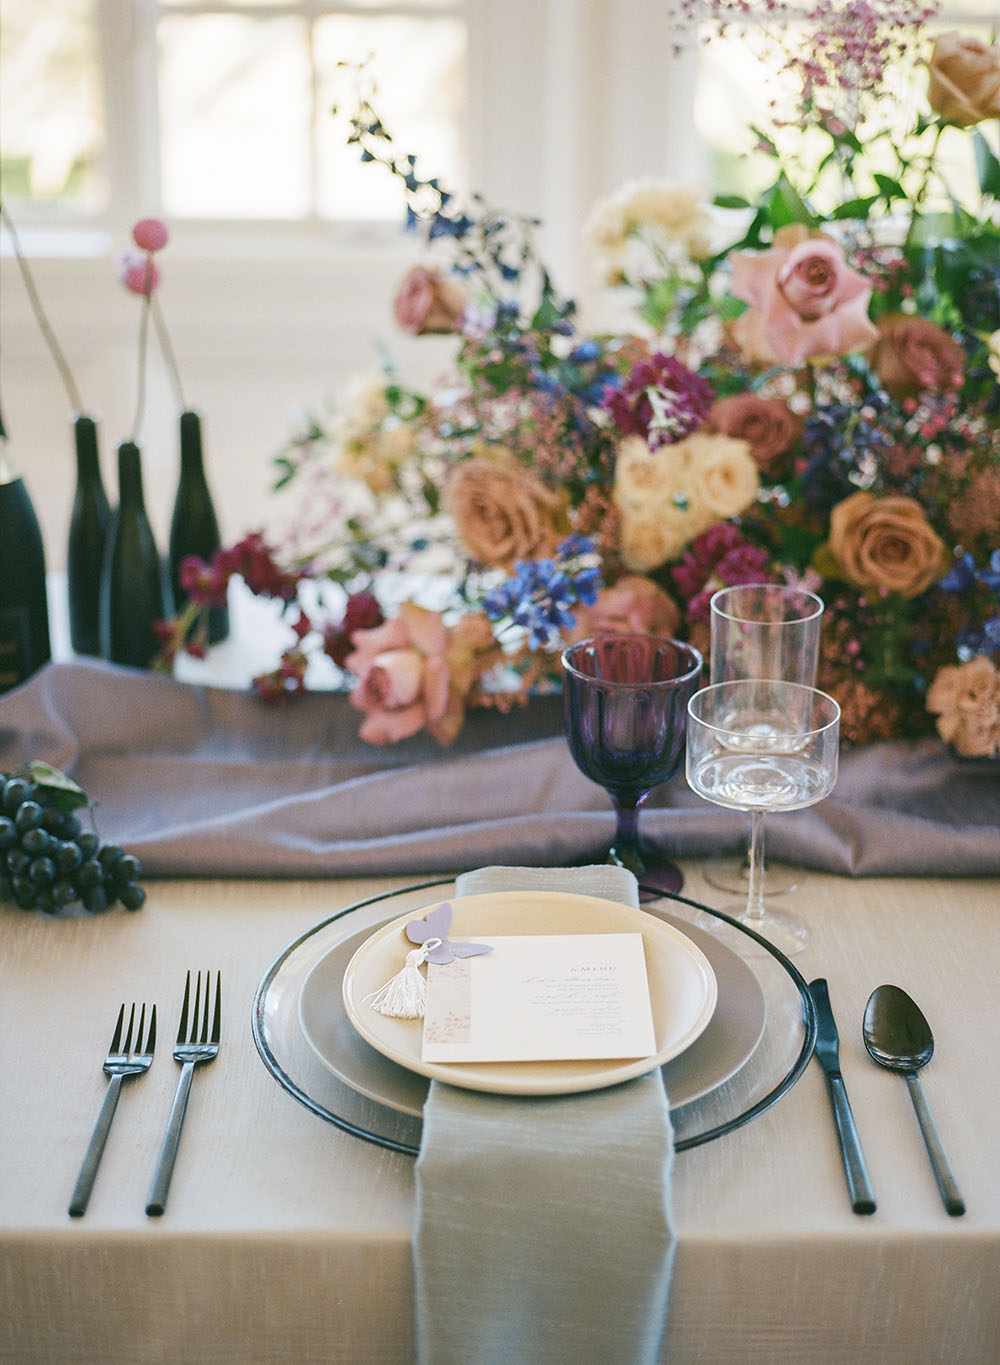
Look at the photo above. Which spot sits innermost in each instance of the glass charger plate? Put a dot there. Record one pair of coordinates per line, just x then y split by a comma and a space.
374, 1099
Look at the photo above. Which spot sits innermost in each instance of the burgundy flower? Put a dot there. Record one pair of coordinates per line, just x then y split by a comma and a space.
661, 400
361, 613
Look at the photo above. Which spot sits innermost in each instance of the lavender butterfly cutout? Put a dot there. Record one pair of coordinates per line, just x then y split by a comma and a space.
435, 924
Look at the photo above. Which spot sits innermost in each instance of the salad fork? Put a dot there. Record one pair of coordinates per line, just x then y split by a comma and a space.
193, 1046
119, 1063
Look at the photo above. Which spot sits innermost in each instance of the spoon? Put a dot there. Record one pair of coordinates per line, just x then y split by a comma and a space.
899, 1037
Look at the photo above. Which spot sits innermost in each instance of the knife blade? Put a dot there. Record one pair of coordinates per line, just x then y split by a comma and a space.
859, 1185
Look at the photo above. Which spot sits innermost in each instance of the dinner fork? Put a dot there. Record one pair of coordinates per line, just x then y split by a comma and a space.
192, 1047
119, 1063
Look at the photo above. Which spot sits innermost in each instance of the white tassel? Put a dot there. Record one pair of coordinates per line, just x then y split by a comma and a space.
405, 996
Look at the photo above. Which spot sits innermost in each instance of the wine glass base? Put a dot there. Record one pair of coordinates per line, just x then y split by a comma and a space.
656, 877
786, 931
733, 875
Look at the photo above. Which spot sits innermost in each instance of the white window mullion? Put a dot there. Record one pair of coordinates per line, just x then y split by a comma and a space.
127, 36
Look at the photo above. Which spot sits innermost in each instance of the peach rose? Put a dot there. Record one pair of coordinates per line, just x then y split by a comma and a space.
633, 606
805, 301
428, 302
502, 511
966, 700
913, 355
964, 81
766, 424
886, 543
413, 673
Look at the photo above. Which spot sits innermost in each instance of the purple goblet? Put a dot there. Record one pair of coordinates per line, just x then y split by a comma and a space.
625, 701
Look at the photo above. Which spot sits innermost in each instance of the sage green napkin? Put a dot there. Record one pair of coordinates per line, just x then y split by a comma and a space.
543, 1230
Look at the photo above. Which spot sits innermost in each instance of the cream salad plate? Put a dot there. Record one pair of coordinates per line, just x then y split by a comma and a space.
683, 993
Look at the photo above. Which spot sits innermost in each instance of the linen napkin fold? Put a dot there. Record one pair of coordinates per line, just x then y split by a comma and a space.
543, 1229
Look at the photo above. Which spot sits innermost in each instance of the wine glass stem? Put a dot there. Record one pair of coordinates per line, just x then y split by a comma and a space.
755, 889
626, 846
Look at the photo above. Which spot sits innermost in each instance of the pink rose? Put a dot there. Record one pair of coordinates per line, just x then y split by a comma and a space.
805, 301
413, 673
427, 302
633, 606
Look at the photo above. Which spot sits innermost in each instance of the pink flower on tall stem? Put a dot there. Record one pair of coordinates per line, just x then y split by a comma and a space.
141, 275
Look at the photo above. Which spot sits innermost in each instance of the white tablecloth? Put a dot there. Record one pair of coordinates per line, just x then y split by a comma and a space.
287, 1240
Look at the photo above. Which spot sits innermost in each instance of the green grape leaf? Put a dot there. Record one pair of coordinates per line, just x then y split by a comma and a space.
66, 795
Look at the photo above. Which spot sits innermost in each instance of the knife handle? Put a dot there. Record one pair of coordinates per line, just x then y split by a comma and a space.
859, 1186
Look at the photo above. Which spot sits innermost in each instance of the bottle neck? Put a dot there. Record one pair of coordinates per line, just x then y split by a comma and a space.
130, 475
191, 456
85, 436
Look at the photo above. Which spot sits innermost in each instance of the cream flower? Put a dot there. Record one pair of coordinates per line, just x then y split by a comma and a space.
372, 443
666, 497
724, 477
994, 348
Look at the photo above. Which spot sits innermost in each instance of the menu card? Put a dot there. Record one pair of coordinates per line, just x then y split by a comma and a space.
541, 997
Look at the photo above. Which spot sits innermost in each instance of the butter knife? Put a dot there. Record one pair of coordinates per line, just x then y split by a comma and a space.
828, 1053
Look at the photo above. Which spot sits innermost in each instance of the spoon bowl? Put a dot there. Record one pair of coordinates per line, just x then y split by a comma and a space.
896, 1033
898, 1037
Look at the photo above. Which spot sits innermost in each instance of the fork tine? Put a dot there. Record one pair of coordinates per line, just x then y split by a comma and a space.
208, 1005
217, 1016
151, 1040
117, 1039
127, 1045
182, 1026
196, 1011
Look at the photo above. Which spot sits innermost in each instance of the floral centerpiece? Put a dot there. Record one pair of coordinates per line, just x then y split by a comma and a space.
810, 393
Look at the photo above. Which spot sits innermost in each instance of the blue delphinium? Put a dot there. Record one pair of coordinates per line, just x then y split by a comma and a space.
540, 594
964, 577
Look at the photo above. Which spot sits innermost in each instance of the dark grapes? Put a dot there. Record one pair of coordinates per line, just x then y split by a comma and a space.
48, 862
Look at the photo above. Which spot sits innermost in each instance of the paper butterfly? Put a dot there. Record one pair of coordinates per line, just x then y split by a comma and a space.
435, 924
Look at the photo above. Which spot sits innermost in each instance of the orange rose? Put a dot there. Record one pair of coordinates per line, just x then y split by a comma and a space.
966, 700
886, 544
913, 355
766, 424
427, 303
964, 83
502, 511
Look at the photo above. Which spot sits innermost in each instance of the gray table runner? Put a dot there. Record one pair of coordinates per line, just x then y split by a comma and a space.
203, 781
543, 1227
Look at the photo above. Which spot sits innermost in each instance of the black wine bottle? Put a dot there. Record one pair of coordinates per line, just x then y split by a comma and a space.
24, 604
134, 591
88, 533
194, 529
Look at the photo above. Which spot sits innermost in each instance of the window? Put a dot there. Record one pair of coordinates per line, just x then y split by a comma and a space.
220, 109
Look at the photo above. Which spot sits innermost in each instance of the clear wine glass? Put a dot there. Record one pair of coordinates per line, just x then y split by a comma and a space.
625, 699
762, 630
763, 744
